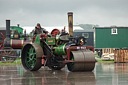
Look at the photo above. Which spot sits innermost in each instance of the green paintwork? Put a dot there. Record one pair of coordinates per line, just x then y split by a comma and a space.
19, 29
104, 38
37, 39
59, 50
30, 58
50, 41
72, 64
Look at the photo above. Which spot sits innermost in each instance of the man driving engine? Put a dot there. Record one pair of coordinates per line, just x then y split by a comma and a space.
39, 30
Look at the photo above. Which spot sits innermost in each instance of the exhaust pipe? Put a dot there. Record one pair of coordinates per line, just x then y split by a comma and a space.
70, 23
7, 39
7, 28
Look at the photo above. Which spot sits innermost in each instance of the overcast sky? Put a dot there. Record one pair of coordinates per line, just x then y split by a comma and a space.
54, 12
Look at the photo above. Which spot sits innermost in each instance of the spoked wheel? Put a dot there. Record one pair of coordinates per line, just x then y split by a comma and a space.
2, 37
31, 56
8, 55
1, 45
54, 65
85, 61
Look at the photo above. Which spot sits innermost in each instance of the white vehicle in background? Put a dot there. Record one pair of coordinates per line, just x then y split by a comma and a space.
107, 56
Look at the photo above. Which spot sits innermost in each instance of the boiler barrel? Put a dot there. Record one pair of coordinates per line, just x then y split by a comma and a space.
18, 44
60, 50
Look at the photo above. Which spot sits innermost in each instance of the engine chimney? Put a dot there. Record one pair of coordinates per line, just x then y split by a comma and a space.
7, 28
70, 23
7, 39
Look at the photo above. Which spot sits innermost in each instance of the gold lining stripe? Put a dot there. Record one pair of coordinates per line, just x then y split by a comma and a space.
11, 42
63, 48
31, 42
22, 43
56, 50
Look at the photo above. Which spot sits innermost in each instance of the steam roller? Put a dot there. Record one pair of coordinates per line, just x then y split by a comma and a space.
57, 50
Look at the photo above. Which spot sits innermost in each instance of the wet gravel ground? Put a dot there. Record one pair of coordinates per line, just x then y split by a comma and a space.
103, 74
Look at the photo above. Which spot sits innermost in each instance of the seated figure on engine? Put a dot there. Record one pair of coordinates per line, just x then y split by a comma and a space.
64, 35
16, 34
39, 30
63, 30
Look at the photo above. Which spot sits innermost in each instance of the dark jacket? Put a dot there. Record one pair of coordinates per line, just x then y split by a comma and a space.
39, 31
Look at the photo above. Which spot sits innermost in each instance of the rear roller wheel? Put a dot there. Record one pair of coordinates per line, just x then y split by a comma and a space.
31, 56
85, 57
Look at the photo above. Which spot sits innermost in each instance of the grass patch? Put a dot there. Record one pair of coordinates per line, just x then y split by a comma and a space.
96, 55
16, 62
100, 61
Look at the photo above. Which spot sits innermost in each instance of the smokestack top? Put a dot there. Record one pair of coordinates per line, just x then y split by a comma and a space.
7, 20
70, 13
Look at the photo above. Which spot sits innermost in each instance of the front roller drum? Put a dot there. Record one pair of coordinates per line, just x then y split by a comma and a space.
84, 60
31, 56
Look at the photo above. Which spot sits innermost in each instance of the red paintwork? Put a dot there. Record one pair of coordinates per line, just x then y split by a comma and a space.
43, 35
18, 44
55, 32
71, 61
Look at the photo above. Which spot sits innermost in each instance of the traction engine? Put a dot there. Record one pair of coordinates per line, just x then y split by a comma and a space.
58, 50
